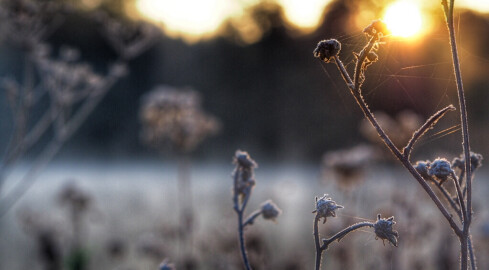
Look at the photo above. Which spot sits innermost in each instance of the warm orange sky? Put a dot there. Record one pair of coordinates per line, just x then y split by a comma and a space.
195, 19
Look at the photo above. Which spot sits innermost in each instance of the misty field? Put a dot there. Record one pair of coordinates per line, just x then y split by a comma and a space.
134, 204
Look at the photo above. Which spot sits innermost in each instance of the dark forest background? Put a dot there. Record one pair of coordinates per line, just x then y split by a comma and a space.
272, 97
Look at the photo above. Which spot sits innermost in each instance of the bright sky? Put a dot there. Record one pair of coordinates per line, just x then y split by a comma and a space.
194, 19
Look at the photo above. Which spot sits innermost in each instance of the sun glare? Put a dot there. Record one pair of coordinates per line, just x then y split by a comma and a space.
404, 19
190, 17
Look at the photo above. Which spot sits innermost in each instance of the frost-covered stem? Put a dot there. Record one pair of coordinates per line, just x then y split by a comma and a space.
338, 236
461, 201
239, 209
241, 225
319, 251
361, 58
463, 252
251, 218
465, 130
425, 127
449, 198
473, 261
463, 108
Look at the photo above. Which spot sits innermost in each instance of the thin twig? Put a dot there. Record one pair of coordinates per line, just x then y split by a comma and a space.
319, 251
425, 127
338, 236
251, 218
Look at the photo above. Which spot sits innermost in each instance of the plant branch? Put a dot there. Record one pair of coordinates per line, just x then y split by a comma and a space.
338, 236
251, 218
388, 142
463, 110
319, 250
425, 127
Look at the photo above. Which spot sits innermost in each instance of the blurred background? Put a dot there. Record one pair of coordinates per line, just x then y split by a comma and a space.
119, 120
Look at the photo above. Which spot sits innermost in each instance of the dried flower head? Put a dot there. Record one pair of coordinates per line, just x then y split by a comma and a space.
383, 230
165, 265
244, 172
326, 207
377, 27
441, 169
174, 116
72, 195
422, 168
475, 161
26, 23
269, 210
128, 38
347, 166
327, 49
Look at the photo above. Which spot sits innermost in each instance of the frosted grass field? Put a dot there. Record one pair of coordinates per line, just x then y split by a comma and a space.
133, 201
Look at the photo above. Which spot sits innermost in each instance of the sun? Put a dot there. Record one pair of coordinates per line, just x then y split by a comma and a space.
404, 19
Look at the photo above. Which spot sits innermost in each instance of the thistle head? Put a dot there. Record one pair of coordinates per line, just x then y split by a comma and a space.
441, 169
326, 207
422, 168
244, 172
269, 210
327, 49
383, 230
376, 28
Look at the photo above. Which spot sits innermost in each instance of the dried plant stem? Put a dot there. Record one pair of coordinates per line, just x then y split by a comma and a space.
54, 146
448, 9
251, 218
319, 252
385, 138
185, 205
239, 209
425, 127
337, 237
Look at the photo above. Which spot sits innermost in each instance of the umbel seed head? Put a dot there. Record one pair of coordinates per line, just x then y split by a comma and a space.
326, 207
383, 230
327, 49
269, 210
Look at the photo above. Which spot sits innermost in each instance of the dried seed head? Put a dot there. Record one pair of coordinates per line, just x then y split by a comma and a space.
327, 49
269, 210
441, 169
475, 161
165, 265
422, 168
377, 27
244, 172
326, 207
383, 230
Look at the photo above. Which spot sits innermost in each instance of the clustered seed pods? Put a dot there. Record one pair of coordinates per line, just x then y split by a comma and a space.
326, 207
327, 49
383, 230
